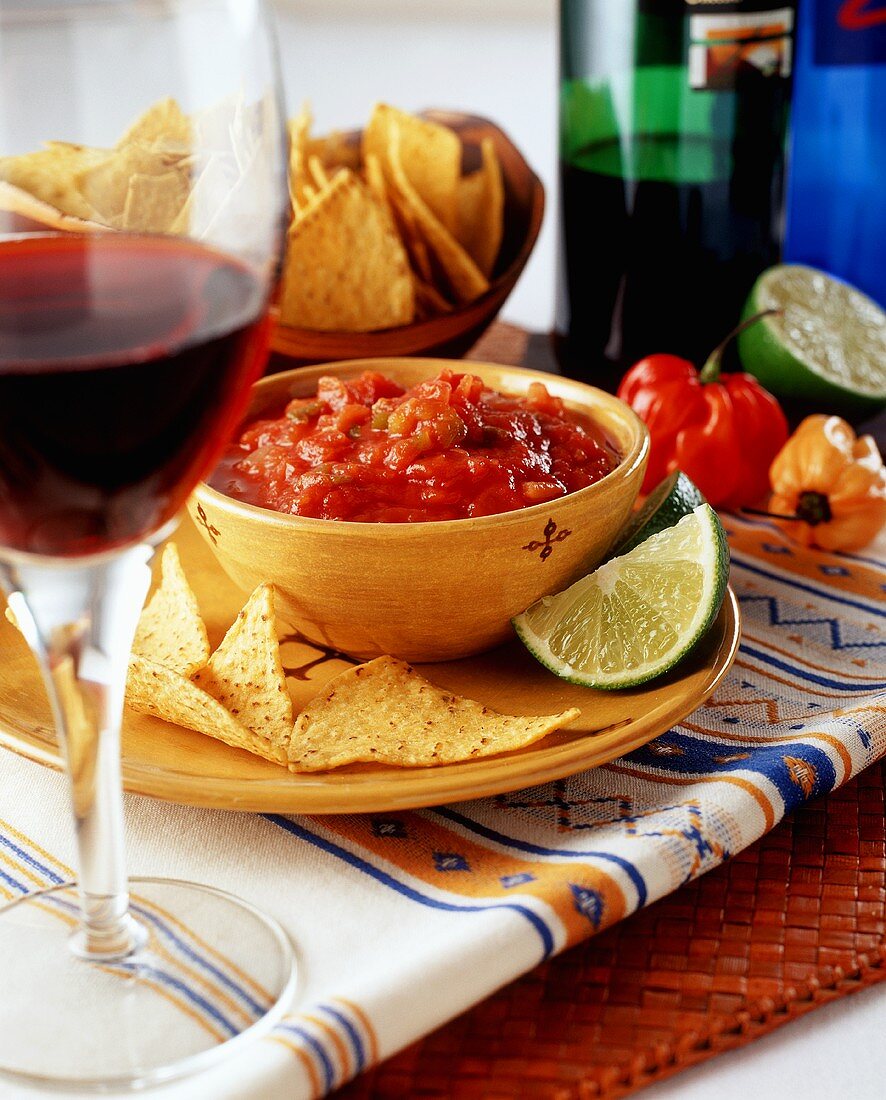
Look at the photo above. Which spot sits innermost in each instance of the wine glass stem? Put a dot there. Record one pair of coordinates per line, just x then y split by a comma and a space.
79, 619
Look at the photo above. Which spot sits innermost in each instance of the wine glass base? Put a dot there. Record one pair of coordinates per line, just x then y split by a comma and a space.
213, 974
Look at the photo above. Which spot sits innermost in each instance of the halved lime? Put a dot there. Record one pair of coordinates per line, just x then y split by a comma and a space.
826, 346
637, 615
667, 504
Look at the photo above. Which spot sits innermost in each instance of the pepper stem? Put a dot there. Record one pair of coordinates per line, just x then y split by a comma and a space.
768, 515
814, 508
710, 372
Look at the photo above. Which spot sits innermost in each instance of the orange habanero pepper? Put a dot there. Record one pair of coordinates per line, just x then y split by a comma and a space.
832, 484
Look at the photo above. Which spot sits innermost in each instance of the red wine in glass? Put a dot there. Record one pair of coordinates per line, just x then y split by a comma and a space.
125, 362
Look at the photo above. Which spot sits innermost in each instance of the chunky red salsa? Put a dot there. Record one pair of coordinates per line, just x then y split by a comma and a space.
449, 448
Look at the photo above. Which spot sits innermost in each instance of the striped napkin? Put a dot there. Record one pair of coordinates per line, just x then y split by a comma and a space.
405, 919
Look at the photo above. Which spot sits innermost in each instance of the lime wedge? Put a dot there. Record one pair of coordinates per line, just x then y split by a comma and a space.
667, 504
826, 346
635, 616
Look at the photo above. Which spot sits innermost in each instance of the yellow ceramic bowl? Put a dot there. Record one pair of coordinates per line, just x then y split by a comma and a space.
424, 591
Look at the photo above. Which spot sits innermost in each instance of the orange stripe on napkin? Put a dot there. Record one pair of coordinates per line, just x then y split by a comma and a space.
63, 867
805, 688
794, 656
749, 788
861, 579
434, 854
183, 967
201, 943
303, 1057
340, 1049
367, 1027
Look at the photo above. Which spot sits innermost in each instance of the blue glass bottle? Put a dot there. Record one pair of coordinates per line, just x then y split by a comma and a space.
836, 202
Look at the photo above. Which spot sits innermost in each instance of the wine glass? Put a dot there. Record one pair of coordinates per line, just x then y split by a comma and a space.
139, 245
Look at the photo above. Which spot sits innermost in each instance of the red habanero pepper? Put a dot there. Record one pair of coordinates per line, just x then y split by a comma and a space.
722, 431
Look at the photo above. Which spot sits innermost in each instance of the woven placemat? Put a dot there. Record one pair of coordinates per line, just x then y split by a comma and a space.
793, 922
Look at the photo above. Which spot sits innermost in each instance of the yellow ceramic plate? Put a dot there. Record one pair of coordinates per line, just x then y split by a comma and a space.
168, 762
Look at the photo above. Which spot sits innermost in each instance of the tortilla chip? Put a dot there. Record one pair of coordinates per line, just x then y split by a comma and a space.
375, 178
163, 121
403, 225
385, 712
466, 279
171, 631
16, 204
240, 223
402, 220
245, 674
154, 202
317, 172
430, 156
105, 186
428, 298
51, 176
471, 191
69, 148
481, 204
299, 136
413, 241
212, 127
164, 693
420, 255
346, 269
335, 151
211, 191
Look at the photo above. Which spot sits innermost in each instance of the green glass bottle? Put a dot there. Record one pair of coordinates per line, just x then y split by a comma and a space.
672, 149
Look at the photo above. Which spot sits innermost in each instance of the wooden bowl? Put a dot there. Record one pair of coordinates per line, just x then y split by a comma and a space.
424, 591
450, 334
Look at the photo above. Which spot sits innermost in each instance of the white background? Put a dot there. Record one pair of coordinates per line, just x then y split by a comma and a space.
498, 58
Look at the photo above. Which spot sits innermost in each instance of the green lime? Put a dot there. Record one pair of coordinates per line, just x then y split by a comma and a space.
826, 346
667, 504
635, 616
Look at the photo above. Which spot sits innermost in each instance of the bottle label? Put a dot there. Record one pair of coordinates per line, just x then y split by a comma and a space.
849, 32
721, 44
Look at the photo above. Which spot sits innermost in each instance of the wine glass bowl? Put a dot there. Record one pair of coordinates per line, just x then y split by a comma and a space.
154, 342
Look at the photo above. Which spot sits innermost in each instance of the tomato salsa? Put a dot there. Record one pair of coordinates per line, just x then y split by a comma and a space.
449, 448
